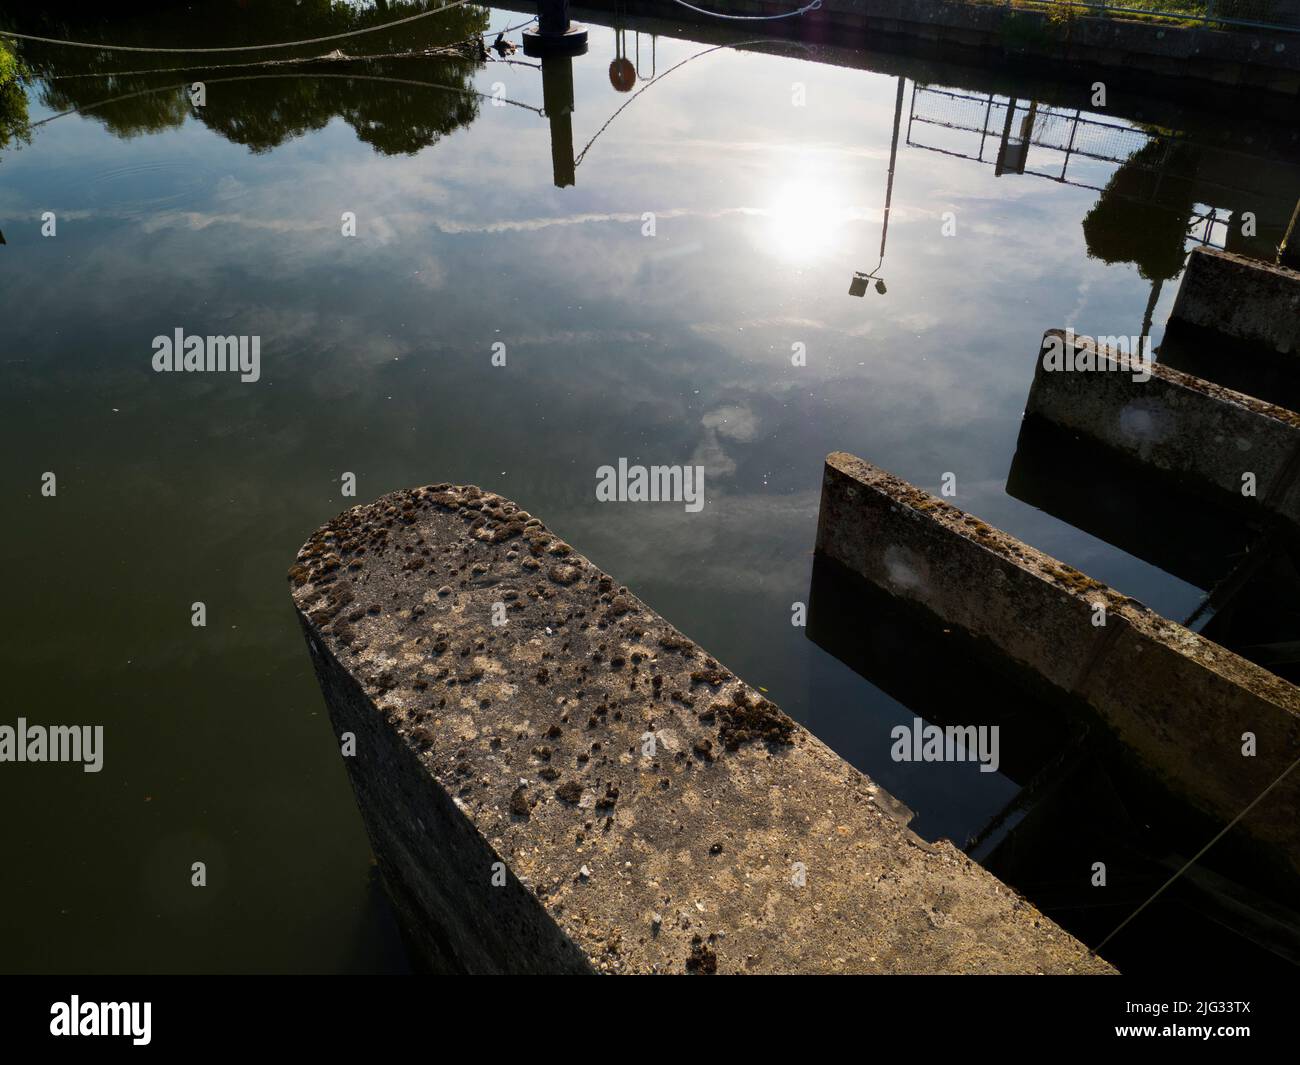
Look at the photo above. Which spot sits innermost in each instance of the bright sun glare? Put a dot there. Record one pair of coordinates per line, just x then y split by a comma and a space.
803, 221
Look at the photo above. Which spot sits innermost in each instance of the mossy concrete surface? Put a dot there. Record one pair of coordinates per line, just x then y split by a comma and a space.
1193, 432
1180, 703
640, 807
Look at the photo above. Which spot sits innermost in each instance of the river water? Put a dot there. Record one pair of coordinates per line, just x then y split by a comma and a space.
679, 296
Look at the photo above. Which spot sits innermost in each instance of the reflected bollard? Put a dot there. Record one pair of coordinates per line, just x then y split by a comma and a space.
557, 101
553, 33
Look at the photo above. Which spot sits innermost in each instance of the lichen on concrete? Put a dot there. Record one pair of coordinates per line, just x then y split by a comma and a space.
662, 813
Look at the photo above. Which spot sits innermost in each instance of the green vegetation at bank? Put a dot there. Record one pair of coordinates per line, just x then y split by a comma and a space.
1163, 12
259, 99
15, 128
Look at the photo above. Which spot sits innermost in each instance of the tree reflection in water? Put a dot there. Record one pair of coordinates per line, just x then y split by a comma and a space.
254, 103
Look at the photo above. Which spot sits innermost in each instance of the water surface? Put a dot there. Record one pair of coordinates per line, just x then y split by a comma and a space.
765, 169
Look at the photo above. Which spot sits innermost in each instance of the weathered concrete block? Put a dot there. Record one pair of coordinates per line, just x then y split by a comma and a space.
644, 809
1241, 299
1179, 702
1204, 437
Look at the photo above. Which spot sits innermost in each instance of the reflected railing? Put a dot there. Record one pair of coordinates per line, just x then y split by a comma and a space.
1005, 143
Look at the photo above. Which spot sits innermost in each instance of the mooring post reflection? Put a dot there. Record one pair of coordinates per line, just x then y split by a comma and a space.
556, 40
557, 102
553, 32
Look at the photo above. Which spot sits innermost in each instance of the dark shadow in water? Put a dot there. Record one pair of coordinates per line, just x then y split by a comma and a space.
1246, 562
379, 945
1121, 502
1081, 798
1096, 810
1244, 367
936, 673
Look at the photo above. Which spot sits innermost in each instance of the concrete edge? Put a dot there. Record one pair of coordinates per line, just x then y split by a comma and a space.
523, 745
1190, 430
1180, 702
1239, 298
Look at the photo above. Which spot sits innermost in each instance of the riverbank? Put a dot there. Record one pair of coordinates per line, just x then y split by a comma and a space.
1066, 43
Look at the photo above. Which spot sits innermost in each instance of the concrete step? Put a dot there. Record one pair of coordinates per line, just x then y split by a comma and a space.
584, 789
1208, 726
1226, 446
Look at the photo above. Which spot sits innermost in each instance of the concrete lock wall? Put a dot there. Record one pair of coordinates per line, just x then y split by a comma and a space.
1180, 703
641, 808
1240, 299
1205, 437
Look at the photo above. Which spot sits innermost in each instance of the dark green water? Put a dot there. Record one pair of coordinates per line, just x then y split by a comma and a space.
376, 360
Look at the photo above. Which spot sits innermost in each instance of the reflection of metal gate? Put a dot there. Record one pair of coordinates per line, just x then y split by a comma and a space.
993, 120
1010, 134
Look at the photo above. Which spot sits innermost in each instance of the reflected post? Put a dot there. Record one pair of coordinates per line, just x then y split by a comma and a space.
557, 40
557, 101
